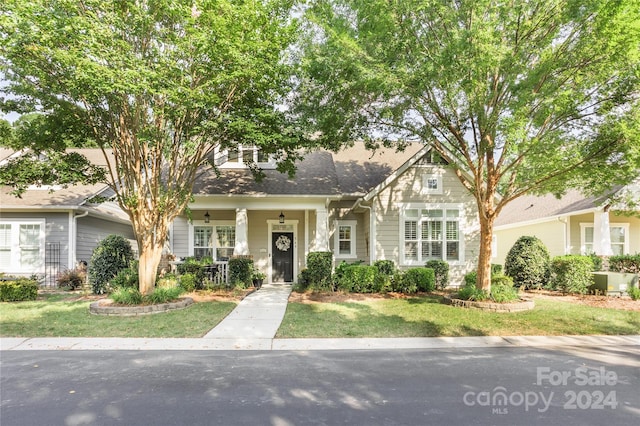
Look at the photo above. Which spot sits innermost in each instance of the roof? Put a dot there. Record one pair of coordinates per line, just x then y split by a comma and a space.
528, 208
351, 171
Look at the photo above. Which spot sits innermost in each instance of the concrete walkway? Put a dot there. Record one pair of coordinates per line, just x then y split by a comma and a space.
253, 324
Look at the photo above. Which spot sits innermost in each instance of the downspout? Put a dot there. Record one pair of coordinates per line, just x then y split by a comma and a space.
72, 243
372, 230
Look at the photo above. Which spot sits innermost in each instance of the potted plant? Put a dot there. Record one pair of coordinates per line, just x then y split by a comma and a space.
258, 277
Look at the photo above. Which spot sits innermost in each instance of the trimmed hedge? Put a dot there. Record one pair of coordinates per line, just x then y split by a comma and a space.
318, 272
241, 271
441, 269
629, 263
425, 278
386, 267
19, 289
112, 254
528, 263
572, 274
194, 267
361, 279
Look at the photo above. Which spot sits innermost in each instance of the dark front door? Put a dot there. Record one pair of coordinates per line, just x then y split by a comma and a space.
282, 262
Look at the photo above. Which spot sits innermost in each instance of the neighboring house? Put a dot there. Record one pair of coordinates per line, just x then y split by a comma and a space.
573, 224
45, 232
408, 207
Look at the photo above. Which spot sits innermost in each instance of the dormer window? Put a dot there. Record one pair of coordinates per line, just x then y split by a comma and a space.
241, 156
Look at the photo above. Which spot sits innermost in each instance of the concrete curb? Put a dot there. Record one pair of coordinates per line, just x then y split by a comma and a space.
200, 344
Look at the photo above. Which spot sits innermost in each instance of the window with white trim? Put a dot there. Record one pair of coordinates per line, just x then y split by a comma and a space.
217, 238
243, 155
22, 246
431, 184
431, 233
618, 233
345, 239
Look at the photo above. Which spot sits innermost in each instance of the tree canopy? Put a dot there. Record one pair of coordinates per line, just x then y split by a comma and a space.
522, 96
159, 85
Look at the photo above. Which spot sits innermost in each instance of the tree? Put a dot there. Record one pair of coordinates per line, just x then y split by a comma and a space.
521, 96
158, 85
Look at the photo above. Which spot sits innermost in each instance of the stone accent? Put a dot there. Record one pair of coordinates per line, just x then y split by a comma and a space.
106, 307
522, 305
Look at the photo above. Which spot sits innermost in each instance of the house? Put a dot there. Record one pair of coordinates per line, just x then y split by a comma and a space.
362, 205
406, 206
50, 229
572, 224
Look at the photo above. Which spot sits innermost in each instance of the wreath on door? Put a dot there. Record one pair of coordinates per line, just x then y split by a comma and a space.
283, 243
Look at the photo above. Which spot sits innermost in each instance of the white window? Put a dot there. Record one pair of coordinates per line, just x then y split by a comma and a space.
243, 155
22, 246
431, 232
618, 233
218, 239
431, 184
345, 239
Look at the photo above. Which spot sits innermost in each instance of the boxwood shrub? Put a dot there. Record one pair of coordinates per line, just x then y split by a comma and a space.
528, 263
629, 263
110, 256
359, 279
441, 269
572, 274
18, 289
241, 271
319, 266
425, 278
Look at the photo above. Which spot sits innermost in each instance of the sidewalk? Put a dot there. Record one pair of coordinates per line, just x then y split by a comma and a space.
253, 324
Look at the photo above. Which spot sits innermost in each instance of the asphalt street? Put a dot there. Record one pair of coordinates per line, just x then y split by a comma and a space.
589, 385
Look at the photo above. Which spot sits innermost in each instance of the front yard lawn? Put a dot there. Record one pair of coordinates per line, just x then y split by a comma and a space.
57, 316
425, 316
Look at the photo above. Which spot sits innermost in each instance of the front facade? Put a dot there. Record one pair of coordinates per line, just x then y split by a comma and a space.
574, 224
364, 206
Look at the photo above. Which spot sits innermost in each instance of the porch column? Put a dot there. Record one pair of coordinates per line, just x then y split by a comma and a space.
242, 240
601, 233
322, 231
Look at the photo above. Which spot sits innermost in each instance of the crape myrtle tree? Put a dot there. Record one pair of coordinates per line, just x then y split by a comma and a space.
520, 96
158, 85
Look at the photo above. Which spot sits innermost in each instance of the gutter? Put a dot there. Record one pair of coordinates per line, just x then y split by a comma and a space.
74, 236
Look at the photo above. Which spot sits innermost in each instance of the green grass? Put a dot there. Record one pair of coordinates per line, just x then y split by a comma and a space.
426, 317
58, 317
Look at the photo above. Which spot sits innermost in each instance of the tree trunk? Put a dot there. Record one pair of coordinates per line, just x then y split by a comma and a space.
150, 256
484, 258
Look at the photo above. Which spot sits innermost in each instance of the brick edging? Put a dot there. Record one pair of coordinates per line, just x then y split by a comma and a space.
523, 305
106, 307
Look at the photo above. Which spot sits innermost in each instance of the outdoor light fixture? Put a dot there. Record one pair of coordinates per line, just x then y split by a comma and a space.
207, 216
281, 217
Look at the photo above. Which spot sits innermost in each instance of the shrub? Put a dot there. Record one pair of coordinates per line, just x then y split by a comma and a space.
195, 267
187, 282
470, 279
424, 278
362, 279
528, 263
597, 262
127, 277
168, 281
163, 295
319, 270
303, 280
126, 296
496, 269
71, 278
241, 271
386, 267
502, 289
18, 289
572, 274
634, 293
401, 284
629, 263
110, 256
471, 292
441, 269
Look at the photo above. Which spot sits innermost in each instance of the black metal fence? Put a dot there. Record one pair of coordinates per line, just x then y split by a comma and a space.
51, 264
